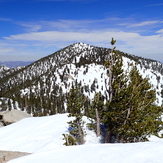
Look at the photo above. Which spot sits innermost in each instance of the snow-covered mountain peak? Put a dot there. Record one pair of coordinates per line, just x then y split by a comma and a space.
46, 82
82, 46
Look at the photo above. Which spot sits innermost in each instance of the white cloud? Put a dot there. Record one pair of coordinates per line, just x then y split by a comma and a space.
128, 42
145, 23
157, 4
113, 23
71, 25
92, 36
46, 37
32, 27
4, 51
160, 31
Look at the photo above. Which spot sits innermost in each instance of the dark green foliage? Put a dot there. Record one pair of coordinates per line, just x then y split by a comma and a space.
113, 41
132, 115
75, 101
117, 89
141, 117
75, 106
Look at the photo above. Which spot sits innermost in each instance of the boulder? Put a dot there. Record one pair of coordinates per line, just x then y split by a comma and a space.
8, 117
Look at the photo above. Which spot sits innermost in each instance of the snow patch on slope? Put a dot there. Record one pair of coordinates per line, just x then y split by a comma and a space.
37, 134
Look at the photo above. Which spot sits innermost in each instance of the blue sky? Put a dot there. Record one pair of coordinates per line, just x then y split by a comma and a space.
32, 29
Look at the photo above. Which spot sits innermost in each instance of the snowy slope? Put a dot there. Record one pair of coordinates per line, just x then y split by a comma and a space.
42, 136
106, 153
36, 134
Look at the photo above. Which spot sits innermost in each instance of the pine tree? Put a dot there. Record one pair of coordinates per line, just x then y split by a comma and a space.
117, 88
75, 103
141, 116
130, 113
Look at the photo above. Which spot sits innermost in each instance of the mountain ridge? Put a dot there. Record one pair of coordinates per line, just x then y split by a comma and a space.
43, 85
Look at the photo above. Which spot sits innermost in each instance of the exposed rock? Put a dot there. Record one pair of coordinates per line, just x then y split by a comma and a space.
5, 156
1, 124
8, 117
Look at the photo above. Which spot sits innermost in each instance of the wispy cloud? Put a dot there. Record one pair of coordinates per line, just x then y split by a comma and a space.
160, 31
145, 23
5, 19
43, 42
46, 37
158, 4
31, 27
77, 25
56, 40
66, 25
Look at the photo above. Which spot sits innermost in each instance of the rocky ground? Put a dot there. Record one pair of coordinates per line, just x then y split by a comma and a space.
9, 155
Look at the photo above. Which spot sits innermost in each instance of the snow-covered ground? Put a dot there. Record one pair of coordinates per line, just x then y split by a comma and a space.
42, 136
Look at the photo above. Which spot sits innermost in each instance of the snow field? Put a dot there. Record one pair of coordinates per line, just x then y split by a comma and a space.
42, 136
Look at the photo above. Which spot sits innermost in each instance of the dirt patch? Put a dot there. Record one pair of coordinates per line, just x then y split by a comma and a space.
9, 155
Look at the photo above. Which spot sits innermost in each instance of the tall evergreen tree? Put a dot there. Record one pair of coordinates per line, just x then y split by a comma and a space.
130, 113
117, 88
75, 105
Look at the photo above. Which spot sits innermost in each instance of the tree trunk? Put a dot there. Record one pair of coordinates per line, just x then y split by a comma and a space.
128, 114
98, 133
110, 78
66, 137
121, 140
81, 135
107, 137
